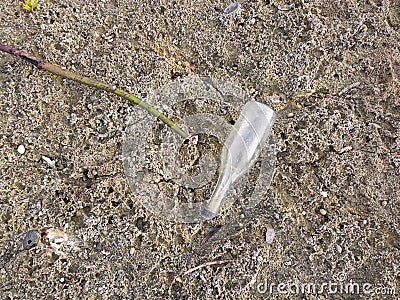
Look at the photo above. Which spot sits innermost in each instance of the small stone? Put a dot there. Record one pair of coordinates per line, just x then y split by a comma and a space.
35, 207
21, 149
231, 8
323, 211
290, 115
339, 249
31, 239
270, 236
324, 194
98, 247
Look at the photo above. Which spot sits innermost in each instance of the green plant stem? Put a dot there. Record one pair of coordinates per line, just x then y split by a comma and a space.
41, 64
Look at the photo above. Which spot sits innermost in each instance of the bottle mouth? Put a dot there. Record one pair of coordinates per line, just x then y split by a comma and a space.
208, 215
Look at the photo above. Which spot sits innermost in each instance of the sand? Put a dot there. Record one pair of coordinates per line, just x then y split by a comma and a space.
331, 70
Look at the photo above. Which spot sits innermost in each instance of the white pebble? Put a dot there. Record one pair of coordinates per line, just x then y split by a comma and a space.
290, 115
270, 235
339, 249
21, 149
322, 211
324, 194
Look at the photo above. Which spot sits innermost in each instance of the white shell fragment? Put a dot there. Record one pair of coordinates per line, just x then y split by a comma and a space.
51, 163
345, 149
21, 149
375, 125
59, 241
56, 238
286, 7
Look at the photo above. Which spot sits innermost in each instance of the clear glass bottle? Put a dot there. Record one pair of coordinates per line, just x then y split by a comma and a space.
241, 150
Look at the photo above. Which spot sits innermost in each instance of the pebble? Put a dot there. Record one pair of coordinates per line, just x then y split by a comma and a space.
339, 249
290, 115
232, 8
21, 149
98, 247
31, 239
270, 235
323, 211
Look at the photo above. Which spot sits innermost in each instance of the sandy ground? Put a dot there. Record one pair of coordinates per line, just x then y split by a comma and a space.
333, 202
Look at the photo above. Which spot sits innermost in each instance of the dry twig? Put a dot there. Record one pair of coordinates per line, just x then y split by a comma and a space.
41, 64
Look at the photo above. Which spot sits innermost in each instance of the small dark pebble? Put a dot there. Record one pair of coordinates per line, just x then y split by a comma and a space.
31, 239
98, 247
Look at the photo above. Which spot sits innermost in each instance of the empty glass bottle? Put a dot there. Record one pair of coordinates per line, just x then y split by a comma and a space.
241, 150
